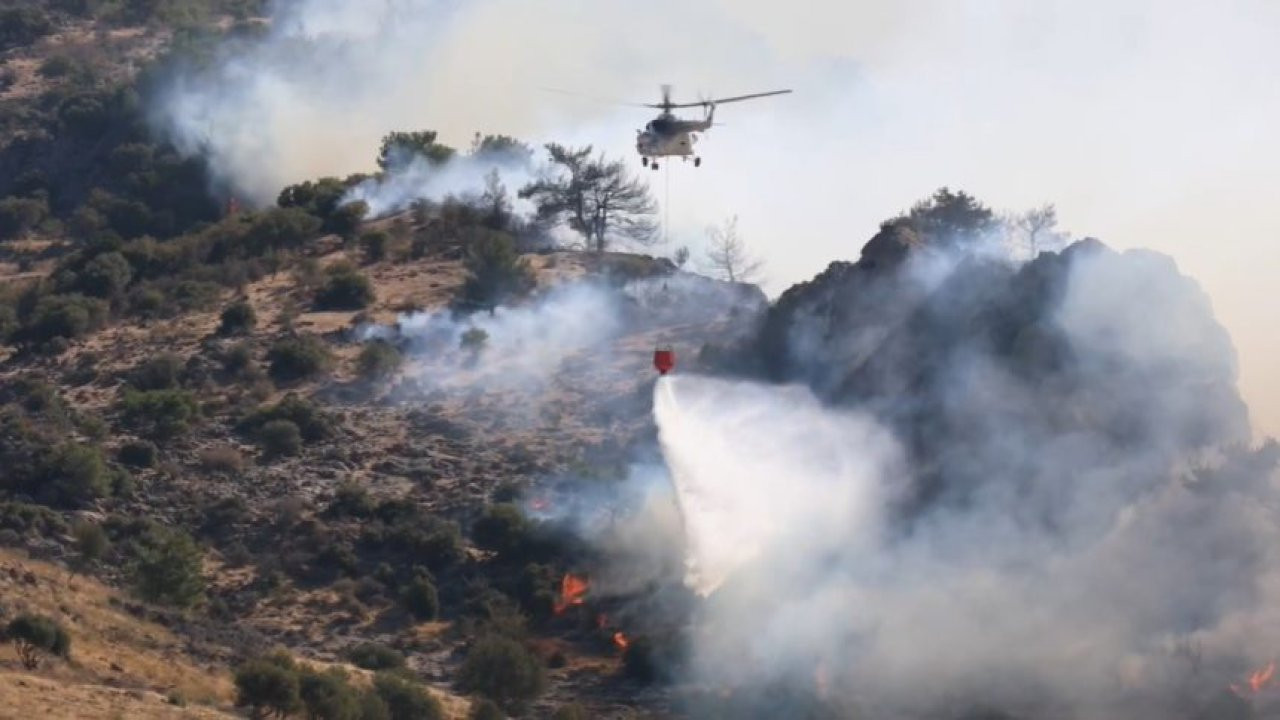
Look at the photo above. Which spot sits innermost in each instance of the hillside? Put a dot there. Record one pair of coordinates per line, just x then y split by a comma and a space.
392, 445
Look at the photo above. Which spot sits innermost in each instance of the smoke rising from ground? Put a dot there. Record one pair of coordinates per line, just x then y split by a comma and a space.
1114, 110
1092, 543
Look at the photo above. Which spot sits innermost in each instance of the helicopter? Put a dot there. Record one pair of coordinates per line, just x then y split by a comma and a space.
670, 136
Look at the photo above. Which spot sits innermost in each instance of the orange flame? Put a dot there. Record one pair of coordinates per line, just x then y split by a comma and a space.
1259, 679
620, 640
572, 590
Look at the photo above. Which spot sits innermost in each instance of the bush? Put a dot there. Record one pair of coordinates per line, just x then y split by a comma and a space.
168, 568
495, 272
502, 670
351, 499
406, 700
63, 316
327, 695
378, 360
419, 597
238, 318
503, 529
91, 543
22, 26
280, 438
137, 454
74, 474
37, 635
314, 423
344, 288
281, 229
162, 372
18, 215
221, 459
298, 358
26, 519
267, 686
375, 656
474, 339
374, 245
106, 276
345, 220
160, 414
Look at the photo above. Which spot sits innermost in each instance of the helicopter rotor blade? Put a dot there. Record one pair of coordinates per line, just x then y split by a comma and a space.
666, 94
739, 98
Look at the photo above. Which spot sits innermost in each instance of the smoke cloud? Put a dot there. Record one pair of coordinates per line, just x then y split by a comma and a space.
1113, 110
1088, 545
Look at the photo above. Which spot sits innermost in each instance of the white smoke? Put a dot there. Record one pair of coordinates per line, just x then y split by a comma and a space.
525, 347
1111, 109
419, 179
1068, 584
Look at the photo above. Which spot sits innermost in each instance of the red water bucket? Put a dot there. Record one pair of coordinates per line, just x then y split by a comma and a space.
664, 359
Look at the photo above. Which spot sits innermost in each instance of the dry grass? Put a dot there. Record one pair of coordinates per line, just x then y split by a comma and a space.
121, 666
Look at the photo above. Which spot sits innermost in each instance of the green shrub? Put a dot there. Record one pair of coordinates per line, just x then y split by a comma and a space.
351, 499
162, 372
280, 438
503, 529
375, 656
298, 358
91, 543
35, 636
379, 360
160, 414
106, 276
374, 244
314, 424
168, 568
345, 220
502, 670
22, 26
495, 271
238, 318
18, 215
281, 229
327, 695
344, 288
474, 339
74, 474
406, 700
419, 597
137, 454
63, 316
27, 519
267, 687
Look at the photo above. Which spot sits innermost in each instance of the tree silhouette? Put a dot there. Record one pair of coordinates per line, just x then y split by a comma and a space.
596, 197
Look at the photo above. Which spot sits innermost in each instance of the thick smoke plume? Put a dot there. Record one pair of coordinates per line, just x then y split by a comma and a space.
1065, 523
1112, 108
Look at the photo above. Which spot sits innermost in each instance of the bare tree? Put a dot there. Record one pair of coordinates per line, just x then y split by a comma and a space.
727, 255
681, 256
596, 197
1037, 225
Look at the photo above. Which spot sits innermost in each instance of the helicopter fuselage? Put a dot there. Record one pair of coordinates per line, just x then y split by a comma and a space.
667, 136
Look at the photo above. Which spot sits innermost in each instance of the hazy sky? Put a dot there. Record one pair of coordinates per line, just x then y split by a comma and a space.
1149, 124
